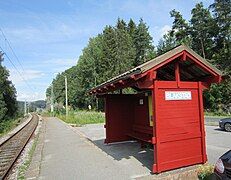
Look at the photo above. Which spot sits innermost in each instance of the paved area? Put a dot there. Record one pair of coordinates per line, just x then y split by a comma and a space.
68, 155
213, 119
79, 153
218, 142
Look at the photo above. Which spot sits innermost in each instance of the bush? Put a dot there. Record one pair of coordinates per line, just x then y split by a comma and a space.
205, 171
82, 117
7, 125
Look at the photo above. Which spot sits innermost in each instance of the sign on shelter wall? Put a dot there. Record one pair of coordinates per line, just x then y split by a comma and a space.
178, 95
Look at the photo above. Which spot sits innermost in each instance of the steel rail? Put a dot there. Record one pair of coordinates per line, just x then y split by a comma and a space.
12, 147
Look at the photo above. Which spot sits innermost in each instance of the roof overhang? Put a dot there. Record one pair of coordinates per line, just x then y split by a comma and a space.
205, 71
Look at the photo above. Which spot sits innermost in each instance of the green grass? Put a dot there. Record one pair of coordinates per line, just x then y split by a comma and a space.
8, 125
205, 172
82, 117
216, 114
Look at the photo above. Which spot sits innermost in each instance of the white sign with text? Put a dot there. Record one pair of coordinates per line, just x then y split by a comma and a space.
178, 95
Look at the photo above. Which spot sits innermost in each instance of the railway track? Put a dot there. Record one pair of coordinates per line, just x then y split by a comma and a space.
11, 148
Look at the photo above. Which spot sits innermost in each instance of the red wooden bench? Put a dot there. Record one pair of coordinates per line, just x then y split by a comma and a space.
142, 133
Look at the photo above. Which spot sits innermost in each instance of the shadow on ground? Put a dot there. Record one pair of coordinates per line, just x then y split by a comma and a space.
127, 150
219, 129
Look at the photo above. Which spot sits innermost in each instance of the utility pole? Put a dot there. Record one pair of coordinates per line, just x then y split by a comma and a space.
25, 108
28, 107
65, 78
52, 99
66, 96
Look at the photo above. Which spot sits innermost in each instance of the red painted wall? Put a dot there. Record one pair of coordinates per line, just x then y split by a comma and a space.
180, 135
119, 117
141, 115
125, 116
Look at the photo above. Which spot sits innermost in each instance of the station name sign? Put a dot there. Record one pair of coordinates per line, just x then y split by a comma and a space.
178, 95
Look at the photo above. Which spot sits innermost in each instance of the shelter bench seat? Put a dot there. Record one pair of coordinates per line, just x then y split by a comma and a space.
142, 133
143, 129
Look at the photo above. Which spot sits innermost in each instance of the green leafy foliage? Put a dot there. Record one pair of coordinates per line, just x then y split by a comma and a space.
126, 45
8, 103
208, 33
83, 117
205, 172
117, 49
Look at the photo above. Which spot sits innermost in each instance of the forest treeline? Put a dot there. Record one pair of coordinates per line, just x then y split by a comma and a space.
128, 44
8, 102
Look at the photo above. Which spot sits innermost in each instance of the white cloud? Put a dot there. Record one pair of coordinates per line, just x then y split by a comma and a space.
30, 96
24, 76
164, 30
61, 62
60, 31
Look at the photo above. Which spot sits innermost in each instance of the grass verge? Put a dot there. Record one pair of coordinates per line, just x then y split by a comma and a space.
216, 115
83, 117
8, 125
205, 172
211, 124
25, 165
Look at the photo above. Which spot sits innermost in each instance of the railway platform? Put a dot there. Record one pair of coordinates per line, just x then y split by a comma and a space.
75, 153
68, 155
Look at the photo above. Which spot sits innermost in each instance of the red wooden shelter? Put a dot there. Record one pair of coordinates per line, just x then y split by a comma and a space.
167, 110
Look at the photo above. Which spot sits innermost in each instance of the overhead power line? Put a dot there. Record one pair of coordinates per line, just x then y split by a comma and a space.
16, 57
9, 44
25, 81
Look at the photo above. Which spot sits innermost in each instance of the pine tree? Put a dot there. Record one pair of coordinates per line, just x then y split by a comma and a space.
143, 44
109, 51
222, 14
202, 31
125, 51
131, 28
166, 43
180, 28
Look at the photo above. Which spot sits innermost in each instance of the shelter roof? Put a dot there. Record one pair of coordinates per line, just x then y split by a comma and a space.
198, 66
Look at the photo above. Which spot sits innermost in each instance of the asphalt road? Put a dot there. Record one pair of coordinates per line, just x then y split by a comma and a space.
217, 142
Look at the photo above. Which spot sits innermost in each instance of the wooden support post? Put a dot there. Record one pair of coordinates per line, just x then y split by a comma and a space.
184, 56
177, 73
200, 94
155, 167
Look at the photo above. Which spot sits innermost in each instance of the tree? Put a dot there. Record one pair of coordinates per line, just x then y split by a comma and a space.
180, 28
222, 14
166, 43
209, 35
131, 28
202, 31
125, 51
8, 103
143, 44
3, 108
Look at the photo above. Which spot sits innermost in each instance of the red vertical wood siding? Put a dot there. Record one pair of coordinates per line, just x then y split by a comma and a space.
119, 117
179, 131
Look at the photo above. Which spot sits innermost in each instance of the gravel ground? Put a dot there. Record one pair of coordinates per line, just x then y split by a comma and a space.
24, 155
5, 137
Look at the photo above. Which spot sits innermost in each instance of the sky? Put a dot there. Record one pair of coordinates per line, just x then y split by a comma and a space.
47, 37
